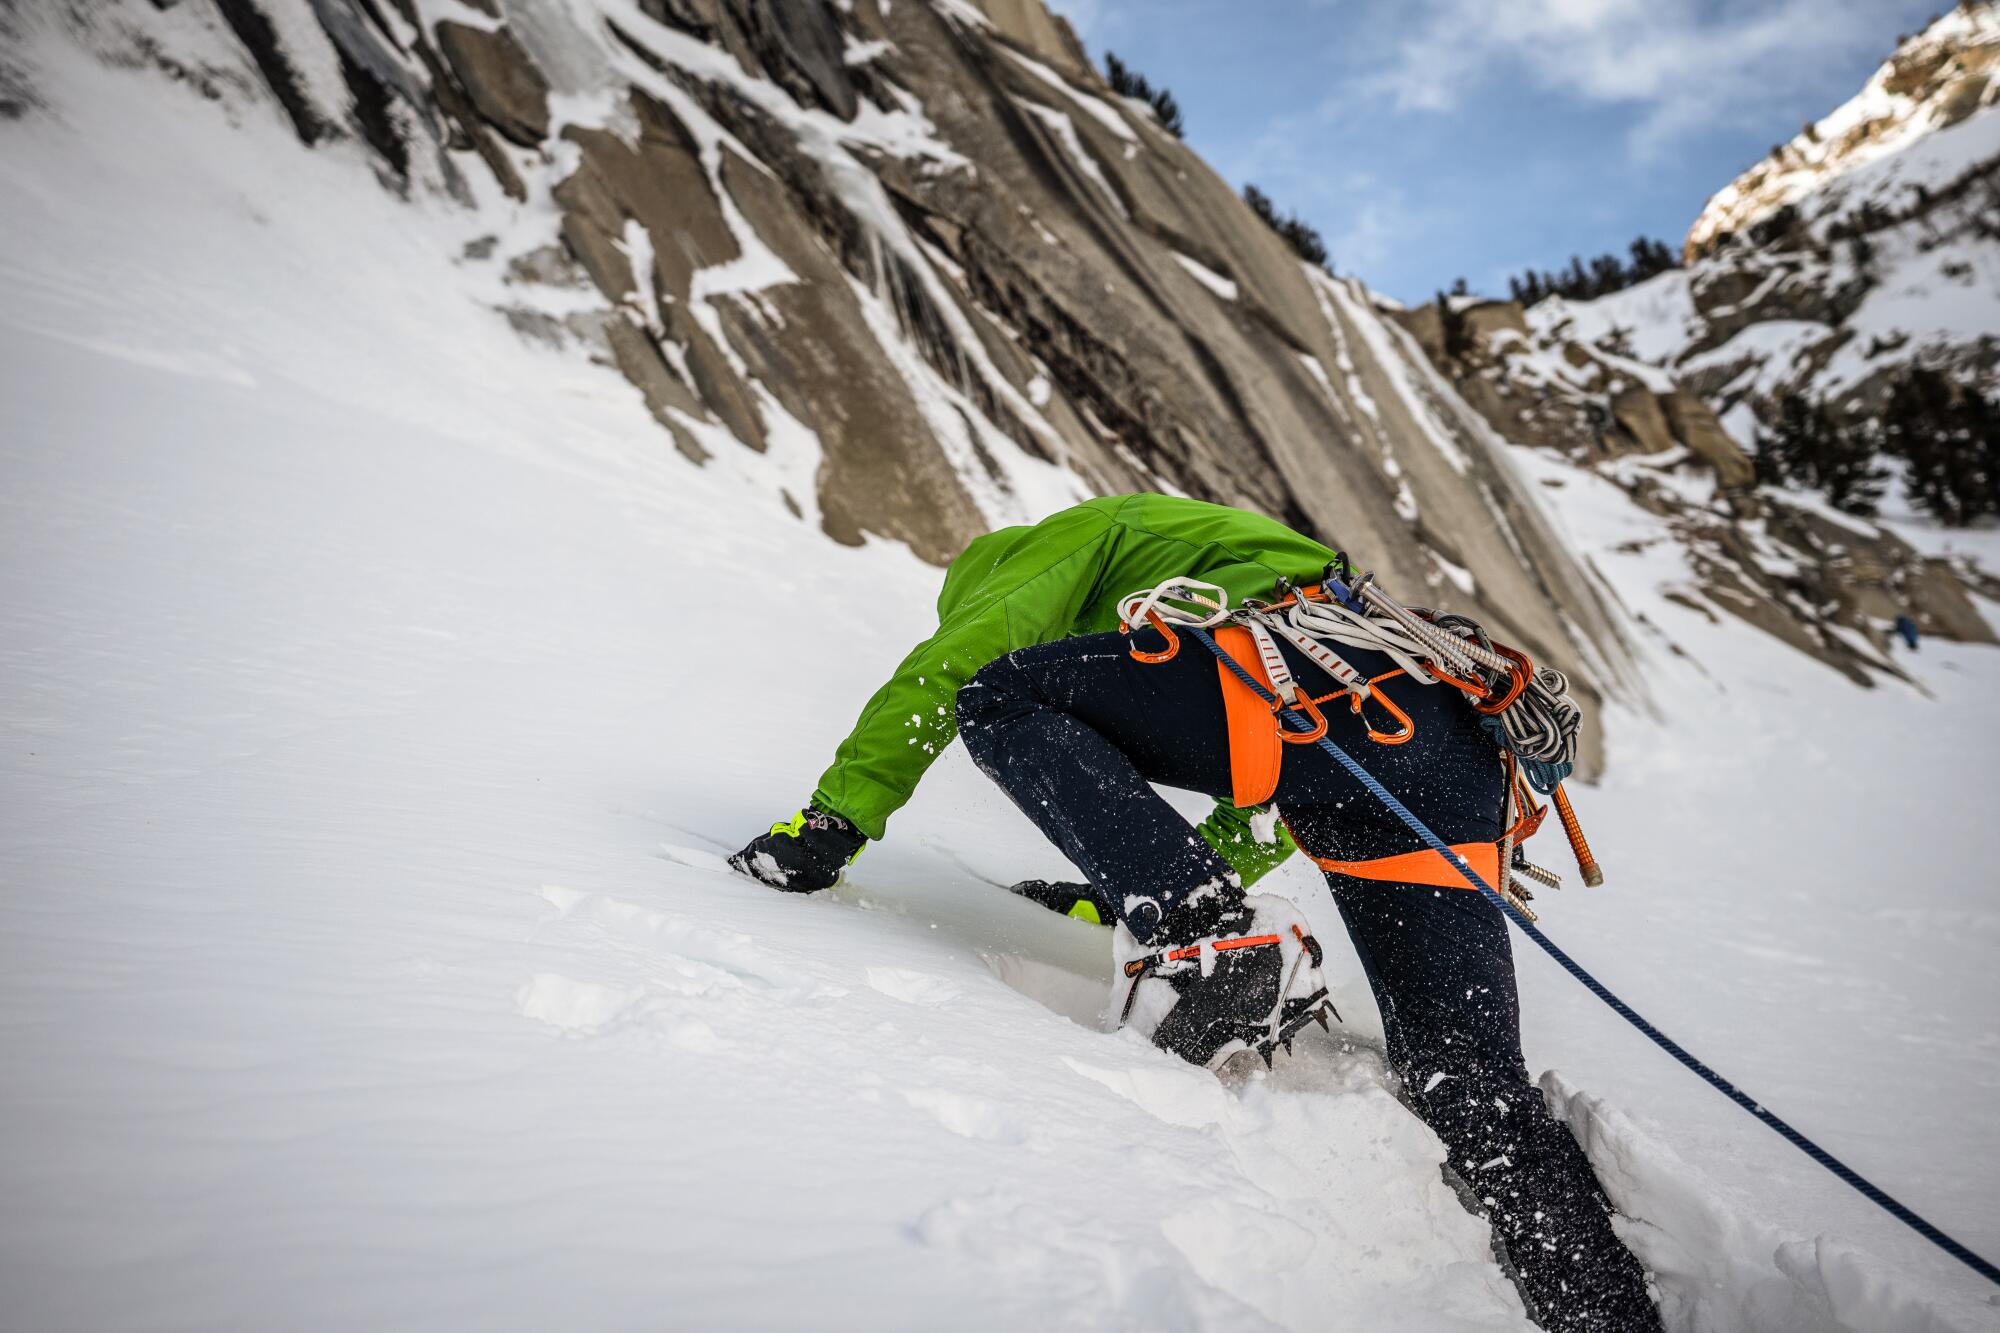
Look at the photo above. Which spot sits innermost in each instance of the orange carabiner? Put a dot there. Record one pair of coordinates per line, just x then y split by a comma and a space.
1383, 737
1165, 654
1519, 675
1471, 687
1303, 704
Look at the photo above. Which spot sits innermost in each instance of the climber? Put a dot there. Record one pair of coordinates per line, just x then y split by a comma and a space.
1075, 720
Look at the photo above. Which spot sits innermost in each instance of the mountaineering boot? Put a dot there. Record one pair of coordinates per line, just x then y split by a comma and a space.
803, 854
1250, 985
1085, 902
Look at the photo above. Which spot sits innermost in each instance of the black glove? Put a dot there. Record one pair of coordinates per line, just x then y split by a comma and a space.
804, 854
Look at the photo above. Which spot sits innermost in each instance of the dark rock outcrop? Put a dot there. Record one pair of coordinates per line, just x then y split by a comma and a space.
503, 84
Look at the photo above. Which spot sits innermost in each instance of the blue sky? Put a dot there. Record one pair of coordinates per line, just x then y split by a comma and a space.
1429, 139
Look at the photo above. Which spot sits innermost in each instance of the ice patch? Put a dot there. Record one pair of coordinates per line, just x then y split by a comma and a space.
1093, 107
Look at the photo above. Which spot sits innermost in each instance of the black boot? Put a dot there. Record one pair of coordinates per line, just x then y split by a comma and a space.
1250, 985
1085, 902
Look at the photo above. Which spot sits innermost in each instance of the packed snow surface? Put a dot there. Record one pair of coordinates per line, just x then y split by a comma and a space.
382, 692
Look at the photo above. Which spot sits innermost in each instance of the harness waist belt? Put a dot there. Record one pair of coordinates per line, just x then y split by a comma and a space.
1422, 867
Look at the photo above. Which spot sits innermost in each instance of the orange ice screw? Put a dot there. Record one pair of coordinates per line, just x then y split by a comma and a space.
1585, 862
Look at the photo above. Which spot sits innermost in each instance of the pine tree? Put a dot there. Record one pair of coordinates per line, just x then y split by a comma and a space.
1260, 204
1810, 447
1849, 465
1456, 328
1128, 82
1607, 275
1585, 281
1781, 450
1300, 235
1305, 241
1949, 438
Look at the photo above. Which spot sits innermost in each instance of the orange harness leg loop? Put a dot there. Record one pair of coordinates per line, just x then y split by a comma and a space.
1425, 867
1255, 748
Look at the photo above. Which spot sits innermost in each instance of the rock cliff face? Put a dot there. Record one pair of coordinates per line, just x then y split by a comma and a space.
922, 248
1828, 585
920, 258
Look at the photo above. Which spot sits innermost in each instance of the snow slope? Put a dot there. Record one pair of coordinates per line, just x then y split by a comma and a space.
380, 693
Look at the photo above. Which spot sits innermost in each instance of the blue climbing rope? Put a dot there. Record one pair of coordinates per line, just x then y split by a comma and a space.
1597, 988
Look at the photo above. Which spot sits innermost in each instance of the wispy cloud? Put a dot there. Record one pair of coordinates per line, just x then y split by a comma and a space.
1687, 65
1093, 20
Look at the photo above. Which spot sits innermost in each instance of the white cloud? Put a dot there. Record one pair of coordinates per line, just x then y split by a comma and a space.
1689, 64
1091, 19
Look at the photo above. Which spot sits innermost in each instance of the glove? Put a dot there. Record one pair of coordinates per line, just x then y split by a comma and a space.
803, 854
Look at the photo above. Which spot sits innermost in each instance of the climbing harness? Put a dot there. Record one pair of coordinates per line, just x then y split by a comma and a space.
1530, 707
1298, 722
1527, 710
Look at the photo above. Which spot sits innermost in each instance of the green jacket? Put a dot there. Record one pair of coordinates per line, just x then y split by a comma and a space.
1063, 576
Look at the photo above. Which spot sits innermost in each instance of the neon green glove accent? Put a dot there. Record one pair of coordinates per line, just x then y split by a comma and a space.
1227, 830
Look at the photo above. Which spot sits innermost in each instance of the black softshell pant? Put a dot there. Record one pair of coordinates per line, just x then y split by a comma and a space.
1076, 730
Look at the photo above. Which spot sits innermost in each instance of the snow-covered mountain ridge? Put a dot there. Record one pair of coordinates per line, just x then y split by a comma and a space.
1869, 244
915, 268
922, 260
1933, 81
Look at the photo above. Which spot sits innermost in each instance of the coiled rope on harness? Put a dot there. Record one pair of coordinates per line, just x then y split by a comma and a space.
1784, 1130
1528, 709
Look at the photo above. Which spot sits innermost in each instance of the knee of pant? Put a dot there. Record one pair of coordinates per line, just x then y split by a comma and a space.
993, 690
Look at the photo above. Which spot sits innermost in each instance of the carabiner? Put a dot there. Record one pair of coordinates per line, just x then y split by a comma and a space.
1383, 737
1303, 704
1520, 674
1164, 655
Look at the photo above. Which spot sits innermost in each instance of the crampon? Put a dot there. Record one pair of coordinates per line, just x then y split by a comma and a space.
1250, 990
